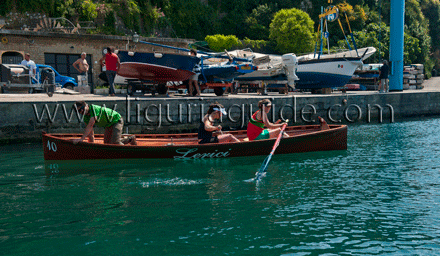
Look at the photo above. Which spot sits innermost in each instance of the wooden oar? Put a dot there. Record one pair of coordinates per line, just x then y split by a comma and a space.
267, 160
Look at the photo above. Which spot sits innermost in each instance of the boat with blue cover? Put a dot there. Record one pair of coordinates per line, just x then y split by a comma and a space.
313, 72
225, 72
166, 67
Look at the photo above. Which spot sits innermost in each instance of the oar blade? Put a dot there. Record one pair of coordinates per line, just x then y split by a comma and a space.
263, 167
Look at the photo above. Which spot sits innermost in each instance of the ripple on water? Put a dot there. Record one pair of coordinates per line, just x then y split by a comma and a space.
170, 182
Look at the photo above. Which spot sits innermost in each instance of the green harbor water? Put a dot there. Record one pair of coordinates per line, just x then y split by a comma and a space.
379, 197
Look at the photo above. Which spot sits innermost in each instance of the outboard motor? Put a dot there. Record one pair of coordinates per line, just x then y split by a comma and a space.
290, 63
48, 76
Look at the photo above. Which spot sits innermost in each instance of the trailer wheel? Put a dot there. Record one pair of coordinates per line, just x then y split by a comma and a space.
68, 86
130, 89
219, 91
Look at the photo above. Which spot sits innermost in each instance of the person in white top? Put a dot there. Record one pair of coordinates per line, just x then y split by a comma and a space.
30, 64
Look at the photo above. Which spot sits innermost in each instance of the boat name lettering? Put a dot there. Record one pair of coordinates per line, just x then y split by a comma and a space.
188, 153
52, 146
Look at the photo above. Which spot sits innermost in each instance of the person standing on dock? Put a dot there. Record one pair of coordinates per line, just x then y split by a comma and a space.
194, 80
383, 76
112, 65
30, 64
104, 117
81, 65
259, 120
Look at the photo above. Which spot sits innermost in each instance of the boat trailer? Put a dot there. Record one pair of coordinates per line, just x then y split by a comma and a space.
17, 78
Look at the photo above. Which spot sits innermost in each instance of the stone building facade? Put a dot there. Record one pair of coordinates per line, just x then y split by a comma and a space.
62, 49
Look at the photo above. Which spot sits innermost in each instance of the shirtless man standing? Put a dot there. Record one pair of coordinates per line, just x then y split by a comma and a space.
81, 65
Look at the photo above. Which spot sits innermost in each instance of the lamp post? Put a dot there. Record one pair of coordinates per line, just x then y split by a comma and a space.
136, 38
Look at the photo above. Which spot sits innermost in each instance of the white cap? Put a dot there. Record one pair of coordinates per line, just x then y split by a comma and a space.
222, 110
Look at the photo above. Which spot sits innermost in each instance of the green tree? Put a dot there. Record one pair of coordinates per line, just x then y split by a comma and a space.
418, 26
375, 35
292, 31
129, 11
68, 9
256, 45
88, 10
220, 43
431, 10
233, 15
357, 16
258, 22
48, 7
370, 37
151, 15
192, 19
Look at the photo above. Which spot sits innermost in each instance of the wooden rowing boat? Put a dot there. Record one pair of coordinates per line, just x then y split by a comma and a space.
185, 146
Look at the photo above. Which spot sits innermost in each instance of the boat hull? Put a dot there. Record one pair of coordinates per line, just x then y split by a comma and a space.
274, 74
307, 139
312, 74
151, 72
326, 73
177, 61
227, 72
172, 67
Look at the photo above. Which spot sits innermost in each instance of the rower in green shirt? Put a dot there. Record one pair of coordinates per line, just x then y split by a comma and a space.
104, 117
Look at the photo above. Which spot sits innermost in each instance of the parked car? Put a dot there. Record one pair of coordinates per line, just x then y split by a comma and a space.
65, 81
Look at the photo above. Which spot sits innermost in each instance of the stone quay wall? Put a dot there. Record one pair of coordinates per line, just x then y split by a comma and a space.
25, 120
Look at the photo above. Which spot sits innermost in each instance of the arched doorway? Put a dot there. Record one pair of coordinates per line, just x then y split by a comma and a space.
11, 57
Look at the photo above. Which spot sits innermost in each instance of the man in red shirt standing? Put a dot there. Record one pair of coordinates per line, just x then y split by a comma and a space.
112, 65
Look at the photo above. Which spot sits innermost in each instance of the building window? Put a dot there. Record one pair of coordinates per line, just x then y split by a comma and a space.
63, 64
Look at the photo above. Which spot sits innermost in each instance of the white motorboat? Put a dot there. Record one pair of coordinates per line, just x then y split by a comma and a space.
314, 71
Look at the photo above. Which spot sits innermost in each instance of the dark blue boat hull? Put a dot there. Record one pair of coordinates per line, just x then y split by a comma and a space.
226, 73
309, 80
